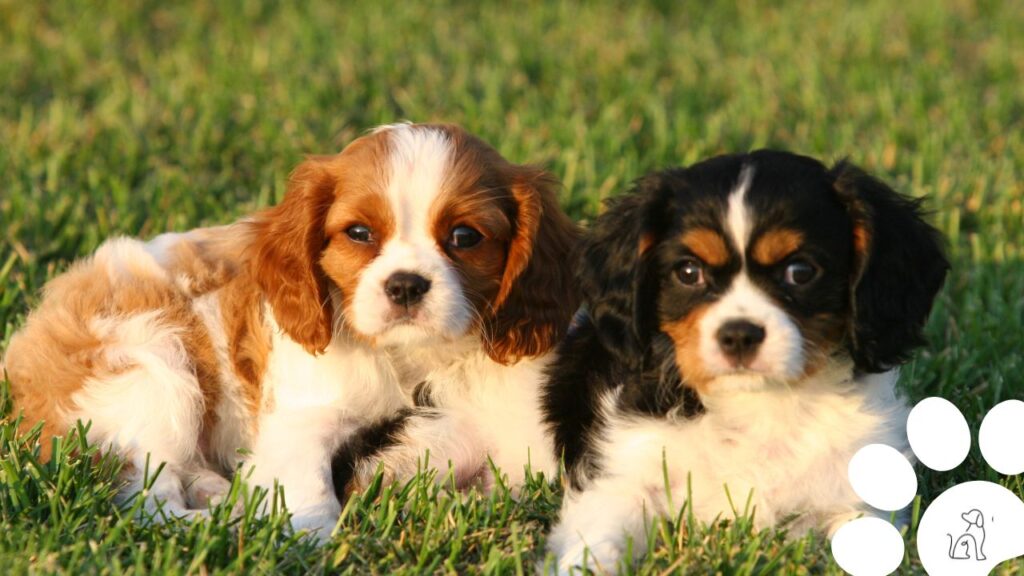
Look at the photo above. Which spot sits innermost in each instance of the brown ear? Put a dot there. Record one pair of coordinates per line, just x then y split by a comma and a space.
287, 243
538, 295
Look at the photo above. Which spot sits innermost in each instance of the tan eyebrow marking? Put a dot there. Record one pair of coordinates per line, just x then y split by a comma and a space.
775, 245
646, 241
707, 245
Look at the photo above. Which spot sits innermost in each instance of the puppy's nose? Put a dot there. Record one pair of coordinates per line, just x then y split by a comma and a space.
739, 340
406, 288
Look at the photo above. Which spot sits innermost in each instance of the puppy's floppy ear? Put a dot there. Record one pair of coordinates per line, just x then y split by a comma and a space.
287, 243
899, 267
613, 269
537, 296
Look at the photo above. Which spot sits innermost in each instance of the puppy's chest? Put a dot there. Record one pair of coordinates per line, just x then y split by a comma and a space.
772, 445
442, 378
474, 384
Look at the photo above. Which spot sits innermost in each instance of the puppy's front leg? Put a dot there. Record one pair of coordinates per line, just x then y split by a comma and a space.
293, 448
596, 524
441, 440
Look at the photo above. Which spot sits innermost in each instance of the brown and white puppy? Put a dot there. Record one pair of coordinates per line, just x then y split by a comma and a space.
271, 335
469, 292
747, 316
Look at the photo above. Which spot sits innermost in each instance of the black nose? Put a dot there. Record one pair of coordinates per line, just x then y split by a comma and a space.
405, 288
739, 340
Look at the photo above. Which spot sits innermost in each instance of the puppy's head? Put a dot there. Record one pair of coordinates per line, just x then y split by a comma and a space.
417, 235
763, 265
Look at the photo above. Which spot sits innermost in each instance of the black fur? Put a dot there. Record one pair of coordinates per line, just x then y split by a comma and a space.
367, 442
421, 395
612, 271
904, 270
628, 259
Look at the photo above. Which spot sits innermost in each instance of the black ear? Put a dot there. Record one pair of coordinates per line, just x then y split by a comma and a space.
899, 267
616, 287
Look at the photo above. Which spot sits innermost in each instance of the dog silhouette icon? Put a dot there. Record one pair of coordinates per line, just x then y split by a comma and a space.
971, 543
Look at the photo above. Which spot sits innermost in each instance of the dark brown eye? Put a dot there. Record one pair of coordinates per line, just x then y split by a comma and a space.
464, 237
800, 272
360, 233
690, 272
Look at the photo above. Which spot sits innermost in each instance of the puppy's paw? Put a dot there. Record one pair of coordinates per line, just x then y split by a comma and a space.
317, 521
206, 489
573, 553
602, 558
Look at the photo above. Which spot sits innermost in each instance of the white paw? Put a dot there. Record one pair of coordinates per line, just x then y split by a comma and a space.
601, 558
969, 528
206, 489
317, 520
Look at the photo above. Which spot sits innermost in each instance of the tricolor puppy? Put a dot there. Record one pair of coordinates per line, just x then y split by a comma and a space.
746, 315
468, 290
271, 334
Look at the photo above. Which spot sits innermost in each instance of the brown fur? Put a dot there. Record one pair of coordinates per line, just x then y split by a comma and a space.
775, 245
481, 267
344, 260
538, 293
517, 276
822, 334
685, 334
207, 260
54, 355
299, 246
707, 245
476, 194
862, 245
289, 256
287, 242
249, 341
645, 244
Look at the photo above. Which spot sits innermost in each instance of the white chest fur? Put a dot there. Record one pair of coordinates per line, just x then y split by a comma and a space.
786, 449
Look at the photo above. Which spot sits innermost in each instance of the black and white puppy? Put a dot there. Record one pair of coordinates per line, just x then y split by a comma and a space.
746, 315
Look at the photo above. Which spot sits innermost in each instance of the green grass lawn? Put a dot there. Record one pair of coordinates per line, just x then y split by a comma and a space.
118, 121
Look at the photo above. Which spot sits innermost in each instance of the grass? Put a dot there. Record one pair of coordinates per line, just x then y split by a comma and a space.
118, 119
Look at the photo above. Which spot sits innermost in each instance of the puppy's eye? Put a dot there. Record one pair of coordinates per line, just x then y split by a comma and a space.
800, 272
690, 272
464, 237
360, 233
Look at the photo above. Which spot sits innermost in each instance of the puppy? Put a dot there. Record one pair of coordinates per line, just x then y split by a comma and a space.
746, 315
267, 337
469, 293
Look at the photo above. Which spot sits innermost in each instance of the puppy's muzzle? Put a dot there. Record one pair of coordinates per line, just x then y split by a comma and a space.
739, 341
406, 288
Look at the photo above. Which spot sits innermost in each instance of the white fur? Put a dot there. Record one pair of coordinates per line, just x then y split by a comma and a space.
153, 398
416, 175
150, 408
781, 355
443, 312
785, 447
738, 220
234, 428
153, 408
487, 414
311, 404
123, 258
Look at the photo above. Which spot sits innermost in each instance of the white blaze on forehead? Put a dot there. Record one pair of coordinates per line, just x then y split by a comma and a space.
419, 160
737, 218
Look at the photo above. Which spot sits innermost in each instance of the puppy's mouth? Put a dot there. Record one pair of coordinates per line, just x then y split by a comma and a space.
398, 318
402, 316
415, 325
